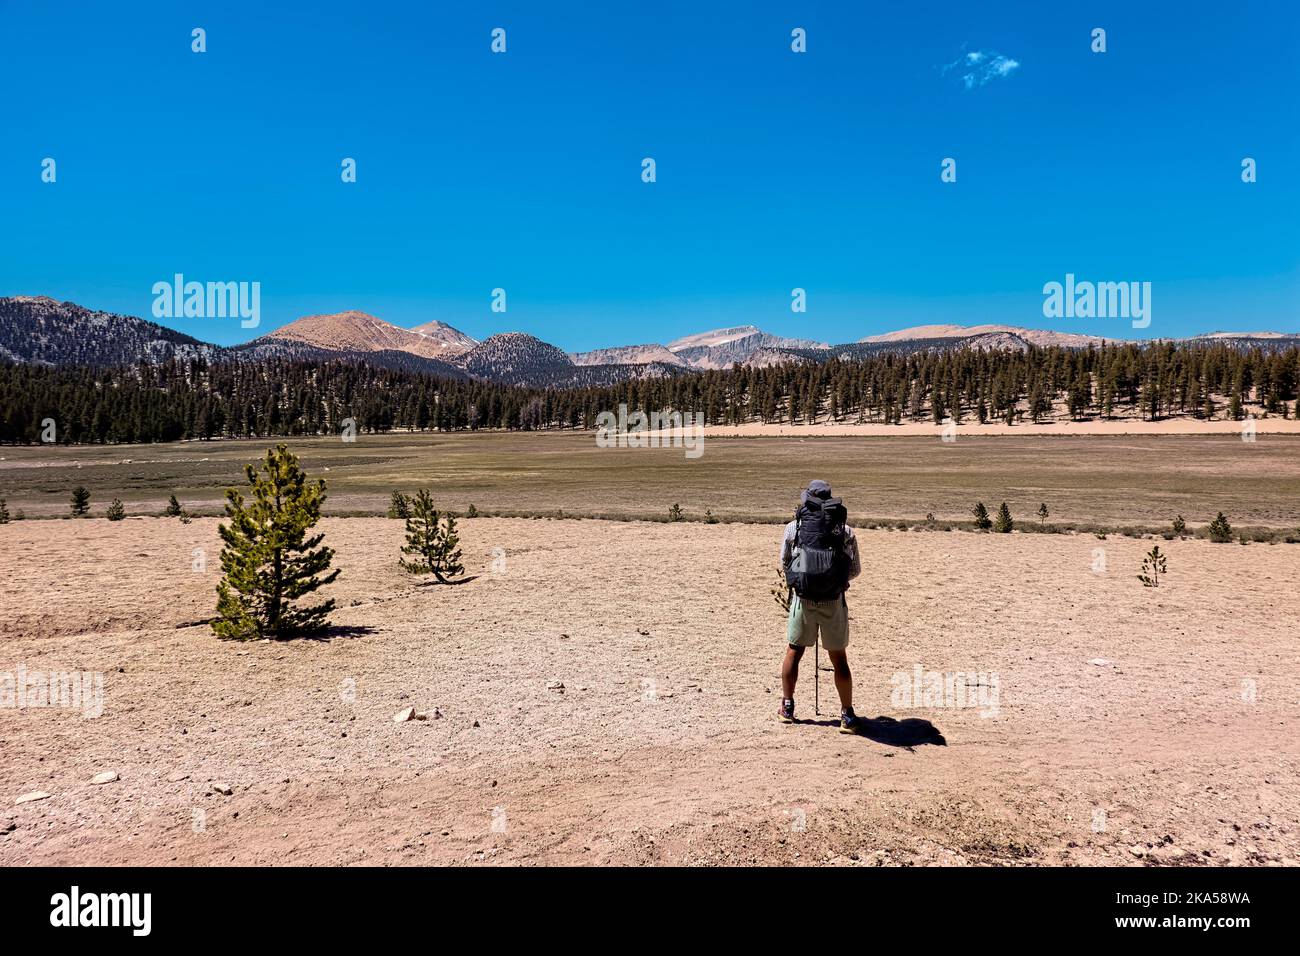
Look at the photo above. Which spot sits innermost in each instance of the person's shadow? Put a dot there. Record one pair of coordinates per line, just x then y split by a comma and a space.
909, 732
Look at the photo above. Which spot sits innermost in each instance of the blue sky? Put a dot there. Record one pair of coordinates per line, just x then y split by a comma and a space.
775, 170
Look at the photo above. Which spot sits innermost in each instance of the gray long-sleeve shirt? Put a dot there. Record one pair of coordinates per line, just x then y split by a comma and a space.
850, 548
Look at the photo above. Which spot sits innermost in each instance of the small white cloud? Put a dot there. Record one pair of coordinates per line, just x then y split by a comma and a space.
1003, 65
978, 67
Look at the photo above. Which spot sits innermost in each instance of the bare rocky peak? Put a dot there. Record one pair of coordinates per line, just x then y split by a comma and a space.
358, 332
449, 340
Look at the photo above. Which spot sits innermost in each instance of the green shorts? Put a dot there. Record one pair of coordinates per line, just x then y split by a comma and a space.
808, 617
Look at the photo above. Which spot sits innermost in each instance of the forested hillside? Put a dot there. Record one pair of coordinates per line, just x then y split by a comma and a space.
185, 399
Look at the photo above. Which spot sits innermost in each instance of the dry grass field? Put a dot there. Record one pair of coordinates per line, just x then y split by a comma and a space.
1108, 481
1118, 725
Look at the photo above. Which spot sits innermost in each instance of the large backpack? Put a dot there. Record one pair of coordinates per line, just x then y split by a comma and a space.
820, 569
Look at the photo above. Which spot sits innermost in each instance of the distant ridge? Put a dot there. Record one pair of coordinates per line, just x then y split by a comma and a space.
722, 348
629, 355
1039, 337
41, 330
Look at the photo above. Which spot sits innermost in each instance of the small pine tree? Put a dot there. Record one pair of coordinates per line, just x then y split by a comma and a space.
710, 517
431, 538
1003, 524
1180, 526
1220, 530
399, 506
116, 512
4, 512
982, 522
1153, 565
268, 561
80, 502
675, 513
1043, 513
929, 517
473, 512
173, 509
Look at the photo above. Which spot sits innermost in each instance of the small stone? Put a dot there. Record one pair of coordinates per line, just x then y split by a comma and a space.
403, 715
107, 776
1137, 851
1101, 662
555, 685
176, 776
33, 795
222, 788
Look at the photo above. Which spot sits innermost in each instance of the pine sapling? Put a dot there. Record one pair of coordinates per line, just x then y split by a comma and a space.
982, 522
1153, 565
4, 512
1042, 514
399, 506
431, 540
1003, 524
1220, 531
268, 562
1180, 526
80, 502
173, 509
675, 513
116, 511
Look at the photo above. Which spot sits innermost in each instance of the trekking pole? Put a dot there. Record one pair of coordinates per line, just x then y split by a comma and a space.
817, 679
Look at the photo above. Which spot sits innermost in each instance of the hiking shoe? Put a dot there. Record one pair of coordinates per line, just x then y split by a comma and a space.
850, 723
786, 713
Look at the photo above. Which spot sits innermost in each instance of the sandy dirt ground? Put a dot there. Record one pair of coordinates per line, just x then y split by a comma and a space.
1131, 725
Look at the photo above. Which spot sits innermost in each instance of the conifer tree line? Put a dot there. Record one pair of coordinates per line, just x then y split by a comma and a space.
282, 397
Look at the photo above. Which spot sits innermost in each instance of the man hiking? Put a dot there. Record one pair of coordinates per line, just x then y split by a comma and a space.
819, 556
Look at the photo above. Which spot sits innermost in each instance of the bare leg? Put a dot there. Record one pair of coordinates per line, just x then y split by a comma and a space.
790, 671
843, 678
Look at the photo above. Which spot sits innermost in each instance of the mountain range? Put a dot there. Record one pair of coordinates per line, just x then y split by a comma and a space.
41, 330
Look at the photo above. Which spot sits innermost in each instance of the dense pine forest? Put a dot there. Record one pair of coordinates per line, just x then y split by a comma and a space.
194, 399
